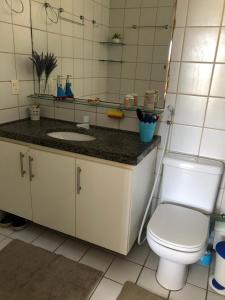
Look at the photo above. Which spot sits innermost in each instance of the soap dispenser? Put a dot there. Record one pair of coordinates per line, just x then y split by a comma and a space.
60, 90
68, 87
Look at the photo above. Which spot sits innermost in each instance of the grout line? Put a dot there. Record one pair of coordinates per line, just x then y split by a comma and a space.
103, 276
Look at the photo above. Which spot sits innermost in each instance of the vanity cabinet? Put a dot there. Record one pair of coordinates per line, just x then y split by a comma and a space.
98, 201
103, 204
53, 190
14, 180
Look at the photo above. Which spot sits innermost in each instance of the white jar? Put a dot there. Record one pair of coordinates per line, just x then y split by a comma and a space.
151, 99
135, 99
127, 101
35, 113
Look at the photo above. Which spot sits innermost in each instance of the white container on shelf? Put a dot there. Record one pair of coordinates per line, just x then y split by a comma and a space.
150, 100
35, 113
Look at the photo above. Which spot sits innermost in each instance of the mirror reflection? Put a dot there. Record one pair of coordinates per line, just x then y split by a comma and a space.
105, 49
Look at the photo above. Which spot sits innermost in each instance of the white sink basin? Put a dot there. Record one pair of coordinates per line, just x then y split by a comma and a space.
71, 136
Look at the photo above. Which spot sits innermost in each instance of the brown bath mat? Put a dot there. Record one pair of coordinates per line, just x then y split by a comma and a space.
131, 291
31, 273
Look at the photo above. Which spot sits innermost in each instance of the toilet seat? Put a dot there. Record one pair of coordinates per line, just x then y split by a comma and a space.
179, 228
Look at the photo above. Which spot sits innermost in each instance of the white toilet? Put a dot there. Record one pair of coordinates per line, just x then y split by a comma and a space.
178, 230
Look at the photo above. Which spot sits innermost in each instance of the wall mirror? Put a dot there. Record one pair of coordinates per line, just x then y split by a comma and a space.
109, 48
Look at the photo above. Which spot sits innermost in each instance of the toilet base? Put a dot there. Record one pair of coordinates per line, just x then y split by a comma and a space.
171, 275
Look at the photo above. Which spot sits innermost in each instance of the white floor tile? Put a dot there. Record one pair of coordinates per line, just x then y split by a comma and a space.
138, 254
49, 240
189, 292
6, 231
107, 290
4, 243
213, 296
28, 234
123, 270
198, 275
148, 281
152, 261
73, 249
97, 258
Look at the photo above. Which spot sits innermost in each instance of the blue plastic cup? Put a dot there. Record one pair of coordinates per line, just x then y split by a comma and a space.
147, 131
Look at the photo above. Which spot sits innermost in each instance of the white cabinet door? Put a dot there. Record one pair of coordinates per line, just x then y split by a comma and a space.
14, 180
53, 190
102, 205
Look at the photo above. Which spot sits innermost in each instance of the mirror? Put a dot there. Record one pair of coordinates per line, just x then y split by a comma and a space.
109, 48
133, 62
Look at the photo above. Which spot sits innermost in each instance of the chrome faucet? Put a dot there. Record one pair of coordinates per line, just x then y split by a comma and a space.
85, 124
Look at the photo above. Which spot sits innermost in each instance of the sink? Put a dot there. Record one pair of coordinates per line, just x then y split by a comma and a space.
71, 136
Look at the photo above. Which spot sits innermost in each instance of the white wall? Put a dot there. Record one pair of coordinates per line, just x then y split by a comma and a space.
15, 48
78, 51
197, 85
77, 48
197, 82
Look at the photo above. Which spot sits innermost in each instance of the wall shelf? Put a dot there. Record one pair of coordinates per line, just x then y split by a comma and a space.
113, 44
112, 61
87, 102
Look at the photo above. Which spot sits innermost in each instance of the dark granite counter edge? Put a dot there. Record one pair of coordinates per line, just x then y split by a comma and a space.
60, 145
122, 159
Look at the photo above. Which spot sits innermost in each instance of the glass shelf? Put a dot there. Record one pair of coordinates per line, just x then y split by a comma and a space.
87, 102
112, 61
113, 44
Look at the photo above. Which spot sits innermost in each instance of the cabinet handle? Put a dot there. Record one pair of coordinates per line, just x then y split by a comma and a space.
78, 180
22, 171
30, 168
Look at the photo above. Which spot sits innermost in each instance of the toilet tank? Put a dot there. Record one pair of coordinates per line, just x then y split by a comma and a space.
191, 181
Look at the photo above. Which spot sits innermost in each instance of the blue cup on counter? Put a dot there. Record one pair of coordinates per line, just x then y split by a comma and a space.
147, 131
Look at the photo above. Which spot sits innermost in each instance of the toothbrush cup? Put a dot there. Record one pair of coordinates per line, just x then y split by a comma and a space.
147, 131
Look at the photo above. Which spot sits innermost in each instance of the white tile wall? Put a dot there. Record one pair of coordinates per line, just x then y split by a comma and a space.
205, 12
196, 86
185, 139
145, 54
15, 48
197, 69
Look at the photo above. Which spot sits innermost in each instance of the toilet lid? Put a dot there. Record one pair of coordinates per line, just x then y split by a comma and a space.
179, 228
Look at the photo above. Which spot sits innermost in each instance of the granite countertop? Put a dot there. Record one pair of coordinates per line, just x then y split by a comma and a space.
110, 144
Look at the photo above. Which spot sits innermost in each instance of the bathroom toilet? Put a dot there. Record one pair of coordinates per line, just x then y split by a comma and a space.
178, 230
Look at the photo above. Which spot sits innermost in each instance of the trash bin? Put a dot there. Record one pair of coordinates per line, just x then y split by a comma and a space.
219, 230
217, 281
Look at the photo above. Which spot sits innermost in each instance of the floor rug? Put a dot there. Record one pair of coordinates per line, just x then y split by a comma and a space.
132, 291
31, 273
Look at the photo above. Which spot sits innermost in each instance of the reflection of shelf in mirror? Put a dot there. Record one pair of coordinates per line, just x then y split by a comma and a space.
150, 26
97, 104
112, 61
113, 44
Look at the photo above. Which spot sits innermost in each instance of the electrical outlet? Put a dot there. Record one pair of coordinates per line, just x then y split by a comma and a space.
15, 87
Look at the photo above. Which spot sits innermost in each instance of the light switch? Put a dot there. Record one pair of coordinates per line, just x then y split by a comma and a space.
15, 87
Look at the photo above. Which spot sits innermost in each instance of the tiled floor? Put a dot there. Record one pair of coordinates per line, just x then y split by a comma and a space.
139, 266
